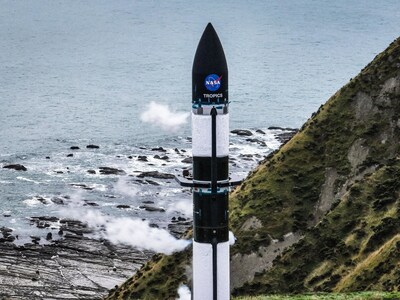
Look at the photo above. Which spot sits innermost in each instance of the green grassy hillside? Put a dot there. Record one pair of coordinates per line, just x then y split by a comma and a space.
330, 296
335, 185
355, 247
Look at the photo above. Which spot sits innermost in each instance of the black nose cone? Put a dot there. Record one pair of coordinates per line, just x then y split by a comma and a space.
210, 71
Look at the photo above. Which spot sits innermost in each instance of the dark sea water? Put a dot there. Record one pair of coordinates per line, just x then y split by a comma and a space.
79, 72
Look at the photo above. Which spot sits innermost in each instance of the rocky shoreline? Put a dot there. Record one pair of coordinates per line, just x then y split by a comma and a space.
76, 266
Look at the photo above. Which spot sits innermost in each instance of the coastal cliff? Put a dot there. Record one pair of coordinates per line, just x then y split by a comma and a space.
320, 214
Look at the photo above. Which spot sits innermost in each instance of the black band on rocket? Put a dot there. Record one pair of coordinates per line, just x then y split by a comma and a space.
202, 167
210, 217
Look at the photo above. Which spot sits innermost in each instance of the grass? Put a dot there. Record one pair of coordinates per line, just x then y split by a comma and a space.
329, 296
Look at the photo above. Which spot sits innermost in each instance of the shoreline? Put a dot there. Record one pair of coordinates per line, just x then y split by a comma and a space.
75, 267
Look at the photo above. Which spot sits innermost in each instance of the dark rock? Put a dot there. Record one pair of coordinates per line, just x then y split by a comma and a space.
152, 225
91, 146
260, 131
148, 202
73, 223
161, 149
142, 158
70, 155
242, 132
152, 208
162, 158
57, 200
91, 171
59, 172
47, 157
152, 182
111, 171
246, 156
187, 160
282, 128
49, 236
285, 136
123, 206
185, 173
60, 232
35, 239
6, 215
16, 167
260, 142
156, 174
177, 151
45, 218
41, 224
130, 156
89, 203
42, 200
5, 230
74, 148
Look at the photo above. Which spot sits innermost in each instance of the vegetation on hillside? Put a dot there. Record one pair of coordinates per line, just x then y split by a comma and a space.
329, 296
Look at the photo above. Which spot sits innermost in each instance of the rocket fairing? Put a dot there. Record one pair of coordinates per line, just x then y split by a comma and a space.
211, 181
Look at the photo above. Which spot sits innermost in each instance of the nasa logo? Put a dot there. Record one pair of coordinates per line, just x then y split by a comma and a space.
212, 82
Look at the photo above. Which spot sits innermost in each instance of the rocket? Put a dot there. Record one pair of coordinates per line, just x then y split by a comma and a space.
211, 181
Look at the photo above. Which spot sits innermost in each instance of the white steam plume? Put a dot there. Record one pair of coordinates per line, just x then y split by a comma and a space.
161, 116
133, 232
139, 234
184, 293
232, 238
185, 207
123, 188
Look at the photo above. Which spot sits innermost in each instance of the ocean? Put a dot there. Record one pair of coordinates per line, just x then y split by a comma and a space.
74, 73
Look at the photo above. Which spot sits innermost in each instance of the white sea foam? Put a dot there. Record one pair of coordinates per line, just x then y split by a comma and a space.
32, 202
28, 180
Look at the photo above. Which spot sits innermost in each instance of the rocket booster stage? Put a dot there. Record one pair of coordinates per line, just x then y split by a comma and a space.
211, 181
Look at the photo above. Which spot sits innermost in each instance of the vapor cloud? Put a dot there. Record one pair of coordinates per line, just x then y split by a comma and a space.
184, 293
133, 232
183, 206
139, 234
160, 115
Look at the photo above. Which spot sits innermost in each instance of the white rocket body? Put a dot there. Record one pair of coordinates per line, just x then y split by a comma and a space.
203, 275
